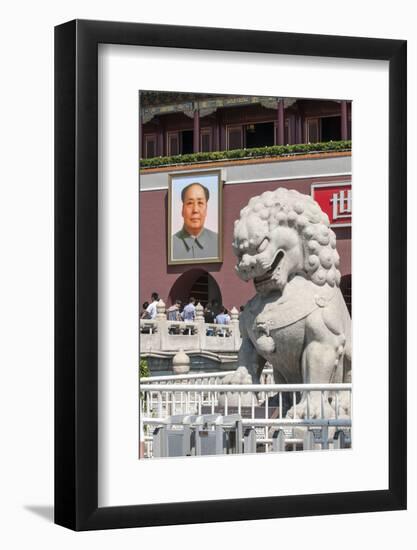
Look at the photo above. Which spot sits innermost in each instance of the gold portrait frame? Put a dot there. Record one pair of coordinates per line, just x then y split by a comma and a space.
171, 183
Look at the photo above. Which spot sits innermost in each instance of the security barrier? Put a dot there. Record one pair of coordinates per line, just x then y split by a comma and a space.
187, 419
185, 435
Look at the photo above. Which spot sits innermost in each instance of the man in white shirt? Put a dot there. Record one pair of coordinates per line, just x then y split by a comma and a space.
151, 309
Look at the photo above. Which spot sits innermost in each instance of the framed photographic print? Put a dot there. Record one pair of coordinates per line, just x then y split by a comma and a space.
233, 305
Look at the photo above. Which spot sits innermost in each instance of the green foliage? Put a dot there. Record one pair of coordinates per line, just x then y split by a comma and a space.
255, 152
144, 372
143, 368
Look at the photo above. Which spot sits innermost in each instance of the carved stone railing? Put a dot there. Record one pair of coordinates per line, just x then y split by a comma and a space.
159, 334
161, 402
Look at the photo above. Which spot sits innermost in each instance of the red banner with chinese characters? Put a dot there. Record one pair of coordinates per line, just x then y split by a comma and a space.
336, 200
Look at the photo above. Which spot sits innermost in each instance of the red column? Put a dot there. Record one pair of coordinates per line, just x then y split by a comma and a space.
196, 144
344, 122
299, 131
349, 119
277, 126
141, 144
280, 123
293, 131
161, 142
222, 137
216, 138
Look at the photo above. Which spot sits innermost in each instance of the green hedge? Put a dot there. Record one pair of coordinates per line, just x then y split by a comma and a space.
256, 152
144, 368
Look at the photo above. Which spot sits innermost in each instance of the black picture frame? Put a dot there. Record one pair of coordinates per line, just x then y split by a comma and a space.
76, 271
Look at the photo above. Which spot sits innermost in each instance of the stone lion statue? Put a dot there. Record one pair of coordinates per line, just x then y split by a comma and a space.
298, 320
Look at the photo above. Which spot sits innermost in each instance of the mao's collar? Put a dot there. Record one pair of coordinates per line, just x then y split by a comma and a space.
189, 240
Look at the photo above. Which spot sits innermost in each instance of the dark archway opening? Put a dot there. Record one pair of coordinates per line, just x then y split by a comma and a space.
197, 283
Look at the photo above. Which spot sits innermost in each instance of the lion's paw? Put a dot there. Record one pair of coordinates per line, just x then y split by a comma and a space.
343, 405
240, 376
314, 409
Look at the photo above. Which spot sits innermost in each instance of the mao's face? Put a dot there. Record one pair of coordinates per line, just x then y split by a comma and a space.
194, 209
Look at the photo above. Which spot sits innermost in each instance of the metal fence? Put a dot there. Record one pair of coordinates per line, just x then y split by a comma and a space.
271, 411
201, 378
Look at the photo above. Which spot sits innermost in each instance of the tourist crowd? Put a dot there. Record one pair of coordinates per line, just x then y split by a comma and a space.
213, 312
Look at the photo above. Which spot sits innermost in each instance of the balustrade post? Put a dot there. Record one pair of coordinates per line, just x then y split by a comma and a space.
160, 310
201, 329
161, 320
234, 321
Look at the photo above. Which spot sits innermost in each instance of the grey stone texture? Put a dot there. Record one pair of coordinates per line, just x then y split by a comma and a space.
297, 320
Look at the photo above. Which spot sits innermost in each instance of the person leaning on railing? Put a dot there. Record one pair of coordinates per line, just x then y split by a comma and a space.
144, 313
188, 313
173, 314
223, 318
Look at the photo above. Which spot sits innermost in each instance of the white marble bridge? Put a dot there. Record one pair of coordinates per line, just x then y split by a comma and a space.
162, 338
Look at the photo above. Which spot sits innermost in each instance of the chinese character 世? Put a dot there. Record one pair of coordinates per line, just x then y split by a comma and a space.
342, 204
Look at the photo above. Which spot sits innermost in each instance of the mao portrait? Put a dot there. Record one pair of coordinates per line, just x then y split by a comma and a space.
194, 220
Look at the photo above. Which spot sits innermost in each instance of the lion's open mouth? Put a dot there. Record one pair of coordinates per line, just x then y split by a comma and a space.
268, 274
